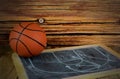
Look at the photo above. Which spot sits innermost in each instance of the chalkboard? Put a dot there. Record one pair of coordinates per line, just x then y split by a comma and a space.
65, 63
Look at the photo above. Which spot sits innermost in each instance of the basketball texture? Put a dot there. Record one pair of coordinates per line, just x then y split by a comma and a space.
27, 39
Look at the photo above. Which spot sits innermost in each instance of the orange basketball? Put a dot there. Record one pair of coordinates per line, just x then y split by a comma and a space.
28, 39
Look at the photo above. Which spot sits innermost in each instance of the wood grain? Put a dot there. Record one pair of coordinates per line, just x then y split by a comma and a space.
89, 22
70, 28
97, 9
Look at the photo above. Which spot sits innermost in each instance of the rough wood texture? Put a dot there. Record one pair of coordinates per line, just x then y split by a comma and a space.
99, 9
67, 22
79, 21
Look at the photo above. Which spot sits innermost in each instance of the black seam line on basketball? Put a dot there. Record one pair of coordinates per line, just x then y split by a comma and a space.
30, 38
23, 44
20, 35
31, 29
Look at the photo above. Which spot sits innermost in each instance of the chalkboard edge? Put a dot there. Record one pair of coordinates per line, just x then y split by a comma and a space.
111, 51
113, 72
68, 48
19, 67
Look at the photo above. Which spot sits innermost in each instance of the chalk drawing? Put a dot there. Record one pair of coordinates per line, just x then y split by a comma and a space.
58, 64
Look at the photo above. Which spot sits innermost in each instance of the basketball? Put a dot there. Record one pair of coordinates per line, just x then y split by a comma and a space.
27, 39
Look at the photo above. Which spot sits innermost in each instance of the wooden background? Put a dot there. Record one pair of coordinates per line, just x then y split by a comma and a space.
67, 22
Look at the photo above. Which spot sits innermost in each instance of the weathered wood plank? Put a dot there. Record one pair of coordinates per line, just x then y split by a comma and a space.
108, 40
83, 39
59, 19
63, 13
35, 9
83, 28
64, 40
71, 28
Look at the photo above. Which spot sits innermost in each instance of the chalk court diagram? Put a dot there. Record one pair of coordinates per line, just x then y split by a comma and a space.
67, 63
